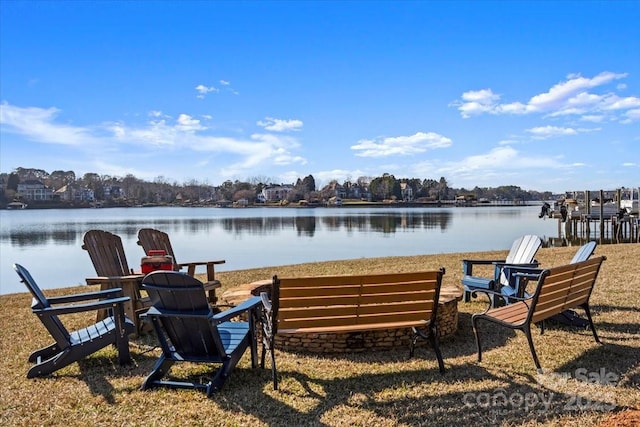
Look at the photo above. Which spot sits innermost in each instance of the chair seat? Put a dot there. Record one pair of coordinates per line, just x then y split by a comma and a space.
100, 330
474, 282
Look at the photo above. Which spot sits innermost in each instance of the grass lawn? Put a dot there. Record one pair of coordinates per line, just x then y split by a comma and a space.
584, 383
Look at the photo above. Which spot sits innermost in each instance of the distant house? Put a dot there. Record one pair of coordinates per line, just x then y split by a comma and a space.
112, 192
33, 189
407, 192
74, 193
274, 193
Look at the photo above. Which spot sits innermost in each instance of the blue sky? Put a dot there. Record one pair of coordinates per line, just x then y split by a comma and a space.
543, 95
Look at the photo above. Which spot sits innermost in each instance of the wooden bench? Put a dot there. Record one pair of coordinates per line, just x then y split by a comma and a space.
355, 303
557, 289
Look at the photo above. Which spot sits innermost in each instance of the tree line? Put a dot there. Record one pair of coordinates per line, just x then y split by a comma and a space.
132, 190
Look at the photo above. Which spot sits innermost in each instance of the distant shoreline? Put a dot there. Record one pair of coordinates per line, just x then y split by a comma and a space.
32, 205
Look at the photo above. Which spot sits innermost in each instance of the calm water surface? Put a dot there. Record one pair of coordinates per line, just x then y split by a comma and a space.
49, 242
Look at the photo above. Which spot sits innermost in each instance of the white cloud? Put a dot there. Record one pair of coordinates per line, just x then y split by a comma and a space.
631, 116
279, 125
203, 90
39, 124
224, 83
186, 134
570, 97
550, 131
559, 94
187, 123
544, 132
400, 145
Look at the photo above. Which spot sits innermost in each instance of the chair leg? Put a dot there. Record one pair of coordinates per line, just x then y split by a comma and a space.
44, 353
42, 368
160, 369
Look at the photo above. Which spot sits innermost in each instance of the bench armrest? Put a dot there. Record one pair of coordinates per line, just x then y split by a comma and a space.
490, 293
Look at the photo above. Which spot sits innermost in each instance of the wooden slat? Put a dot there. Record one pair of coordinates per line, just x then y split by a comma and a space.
397, 307
320, 302
306, 313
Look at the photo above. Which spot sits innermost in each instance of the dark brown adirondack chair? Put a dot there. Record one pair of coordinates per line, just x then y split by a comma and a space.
71, 347
189, 331
107, 255
151, 239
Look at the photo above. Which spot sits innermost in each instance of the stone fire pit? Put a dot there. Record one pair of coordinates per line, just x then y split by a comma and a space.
447, 319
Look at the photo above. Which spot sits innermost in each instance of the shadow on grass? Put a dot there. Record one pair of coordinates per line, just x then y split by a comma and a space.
410, 397
98, 369
606, 362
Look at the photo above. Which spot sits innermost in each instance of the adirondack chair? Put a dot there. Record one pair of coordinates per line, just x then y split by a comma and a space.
189, 331
516, 283
107, 255
152, 239
71, 347
522, 252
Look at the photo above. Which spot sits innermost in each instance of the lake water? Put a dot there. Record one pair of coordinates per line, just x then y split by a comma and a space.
49, 242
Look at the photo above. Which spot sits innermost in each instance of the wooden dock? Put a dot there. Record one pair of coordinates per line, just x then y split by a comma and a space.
598, 223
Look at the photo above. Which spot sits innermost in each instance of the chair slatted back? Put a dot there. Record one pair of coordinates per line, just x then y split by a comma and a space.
584, 252
152, 239
106, 252
564, 287
524, 249
52, 323
185, 315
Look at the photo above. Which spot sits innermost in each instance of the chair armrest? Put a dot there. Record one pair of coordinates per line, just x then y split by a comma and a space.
197, 263
159, 312
247, 305
107, 293
102, 279
191, 268
78, 308
467, 264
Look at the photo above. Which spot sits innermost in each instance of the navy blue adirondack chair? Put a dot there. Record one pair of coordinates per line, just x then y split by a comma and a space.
189, 330
70, 347
522, 253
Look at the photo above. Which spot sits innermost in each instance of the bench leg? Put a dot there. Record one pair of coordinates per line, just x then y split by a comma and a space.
591, 325
474, 326
433, 340
527, 331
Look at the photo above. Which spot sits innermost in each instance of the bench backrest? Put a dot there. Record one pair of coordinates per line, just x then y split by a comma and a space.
355, 300
564, 287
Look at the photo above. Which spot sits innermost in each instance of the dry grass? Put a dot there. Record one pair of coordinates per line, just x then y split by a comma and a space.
380, 388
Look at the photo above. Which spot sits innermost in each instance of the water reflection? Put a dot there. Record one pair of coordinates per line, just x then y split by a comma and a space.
69, 233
